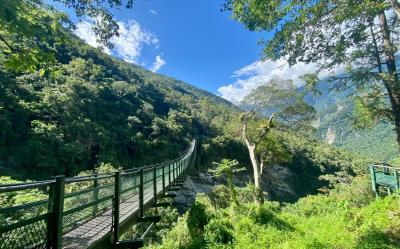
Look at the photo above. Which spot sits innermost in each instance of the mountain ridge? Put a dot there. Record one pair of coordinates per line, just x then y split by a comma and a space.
97, 109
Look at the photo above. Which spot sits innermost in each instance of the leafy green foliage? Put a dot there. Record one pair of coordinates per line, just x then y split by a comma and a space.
227, 168
360, 38
30, 34
354, 127
16, 198
279, 99
279, 96
222, 146
92, 109
32, 31
336, 220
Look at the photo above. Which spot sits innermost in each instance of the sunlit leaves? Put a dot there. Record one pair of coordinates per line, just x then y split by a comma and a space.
32, 30
280, 96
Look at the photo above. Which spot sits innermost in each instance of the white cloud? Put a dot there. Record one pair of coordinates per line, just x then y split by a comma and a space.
260, 72
153, 12
158, 63
85, 32
127, 46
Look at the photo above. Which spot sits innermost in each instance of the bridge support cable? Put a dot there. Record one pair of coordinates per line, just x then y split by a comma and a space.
90, 211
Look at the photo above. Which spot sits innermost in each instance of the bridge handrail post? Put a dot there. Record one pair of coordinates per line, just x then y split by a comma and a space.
173, 172
141, 211
50, 212
169, 174
177, 170
117, 197
95, 194
397, 179
373, 179
163, 179
155, 184
56, 217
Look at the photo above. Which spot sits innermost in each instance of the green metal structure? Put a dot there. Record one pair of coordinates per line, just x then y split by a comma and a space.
89, 211
384, 176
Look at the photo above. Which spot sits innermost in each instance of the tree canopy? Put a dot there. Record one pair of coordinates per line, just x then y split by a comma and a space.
32, 31
280, 100
355, 39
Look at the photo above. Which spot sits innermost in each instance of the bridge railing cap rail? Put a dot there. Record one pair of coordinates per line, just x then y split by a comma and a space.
23, 186
384, 166
45, 183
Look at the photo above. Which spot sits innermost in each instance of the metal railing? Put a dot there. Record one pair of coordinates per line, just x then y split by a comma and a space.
386, 176
76, 212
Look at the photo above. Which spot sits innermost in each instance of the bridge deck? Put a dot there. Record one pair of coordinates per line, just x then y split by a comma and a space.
87, 234
79, 212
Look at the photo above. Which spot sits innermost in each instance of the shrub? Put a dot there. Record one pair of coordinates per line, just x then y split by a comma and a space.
219, 231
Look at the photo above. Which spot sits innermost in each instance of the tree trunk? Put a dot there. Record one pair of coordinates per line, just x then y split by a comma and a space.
396, 7
391, 82
259, 196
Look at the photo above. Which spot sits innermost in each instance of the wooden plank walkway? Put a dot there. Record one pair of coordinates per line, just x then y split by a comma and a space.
87, 234
79, 212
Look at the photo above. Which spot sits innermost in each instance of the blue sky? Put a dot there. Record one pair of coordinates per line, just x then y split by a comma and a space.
192, 40
200, 44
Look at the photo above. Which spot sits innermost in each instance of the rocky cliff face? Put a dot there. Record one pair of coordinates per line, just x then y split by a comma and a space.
278, 182
196, 182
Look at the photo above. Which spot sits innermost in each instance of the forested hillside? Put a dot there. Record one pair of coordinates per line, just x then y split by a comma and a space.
96, 109
336, 123
285, 169
91, 108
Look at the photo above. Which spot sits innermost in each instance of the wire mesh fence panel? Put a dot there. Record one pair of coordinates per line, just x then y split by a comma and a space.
129, 198
86, 200
33, 235
87, 209
76, 212
24, 216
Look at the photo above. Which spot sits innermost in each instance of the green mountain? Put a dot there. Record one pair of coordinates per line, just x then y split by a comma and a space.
96, 109
92, 109
335, 125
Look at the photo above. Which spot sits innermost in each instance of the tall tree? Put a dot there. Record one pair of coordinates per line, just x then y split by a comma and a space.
360, 37
31, 30
282, 103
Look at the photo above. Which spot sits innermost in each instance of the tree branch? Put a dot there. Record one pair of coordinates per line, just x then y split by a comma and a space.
253, 111
266, 130
396, 7
376, 51
244, 135
7, 44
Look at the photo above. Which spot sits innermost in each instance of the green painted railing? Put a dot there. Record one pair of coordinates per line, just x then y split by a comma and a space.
85, 211
385, 176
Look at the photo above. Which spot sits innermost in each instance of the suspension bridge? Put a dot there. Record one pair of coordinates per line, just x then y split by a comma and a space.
89, 211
